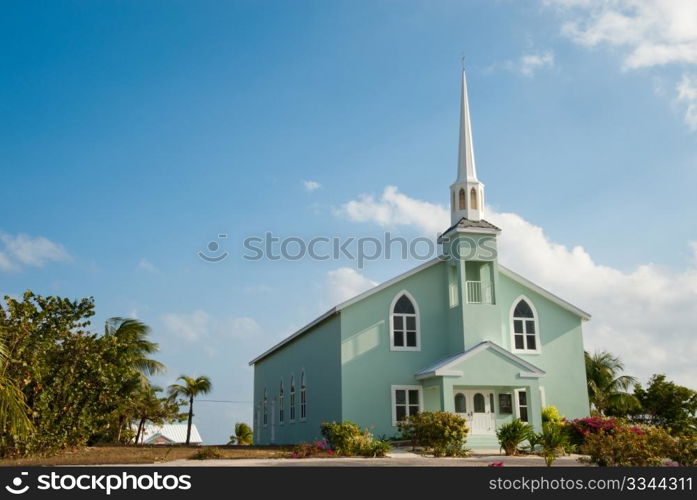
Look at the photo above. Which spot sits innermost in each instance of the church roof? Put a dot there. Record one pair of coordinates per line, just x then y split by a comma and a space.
465, 223
337, 309
443, 367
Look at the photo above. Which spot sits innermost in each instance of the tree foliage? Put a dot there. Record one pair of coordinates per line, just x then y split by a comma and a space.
77, 387
190, 388
668, 405
607, 388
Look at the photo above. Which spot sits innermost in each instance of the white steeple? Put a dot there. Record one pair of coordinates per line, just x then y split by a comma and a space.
466, 193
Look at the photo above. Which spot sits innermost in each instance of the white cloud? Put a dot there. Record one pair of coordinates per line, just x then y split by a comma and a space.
687, 94
395, 209
311, 185
648, 33
646, 316
530, 63
191, 327
145, 265
345, 283
199, 325
26, 251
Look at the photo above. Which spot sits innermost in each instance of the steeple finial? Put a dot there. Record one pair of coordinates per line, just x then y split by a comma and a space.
467, 193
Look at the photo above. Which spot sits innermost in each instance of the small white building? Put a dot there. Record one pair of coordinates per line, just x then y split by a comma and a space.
170, 434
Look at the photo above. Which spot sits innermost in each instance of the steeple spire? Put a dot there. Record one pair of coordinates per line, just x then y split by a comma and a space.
467, 193
465, 161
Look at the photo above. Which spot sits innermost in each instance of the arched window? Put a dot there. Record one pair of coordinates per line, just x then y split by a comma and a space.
292, 399
460, 403
404, 323
479, 404
266, 408
452, 201
462, 203
473, 199
281, 400
303, 397
525, 331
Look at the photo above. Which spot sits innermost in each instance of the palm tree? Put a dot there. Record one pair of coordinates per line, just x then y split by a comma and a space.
133, 335
607, 389
243, 434
13, 409
191, 388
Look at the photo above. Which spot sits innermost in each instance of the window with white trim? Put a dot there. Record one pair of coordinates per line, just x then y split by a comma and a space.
524, 325
266, 408
292, 398
406, 401
521, 404
303, 397
281, 402
404, 324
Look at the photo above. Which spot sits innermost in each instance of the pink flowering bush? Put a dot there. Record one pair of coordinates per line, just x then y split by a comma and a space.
315, 449
628, 446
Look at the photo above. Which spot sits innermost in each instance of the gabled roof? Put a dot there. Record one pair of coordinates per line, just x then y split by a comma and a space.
337, 309
445, 367
175, 433
545, 293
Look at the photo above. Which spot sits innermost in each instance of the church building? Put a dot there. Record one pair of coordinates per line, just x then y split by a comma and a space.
459, 333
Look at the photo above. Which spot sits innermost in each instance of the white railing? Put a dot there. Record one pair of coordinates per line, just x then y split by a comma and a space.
478, 293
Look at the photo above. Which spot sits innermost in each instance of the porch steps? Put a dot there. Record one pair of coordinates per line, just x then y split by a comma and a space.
482, 442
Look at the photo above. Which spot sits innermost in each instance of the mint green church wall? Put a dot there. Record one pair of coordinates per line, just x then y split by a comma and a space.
561, 354
369, 367
317, 353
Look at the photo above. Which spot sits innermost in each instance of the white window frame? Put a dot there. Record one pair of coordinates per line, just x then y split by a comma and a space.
291, 400
417, 317
303, 396
281, 404
516, 402
536, 319
396, 388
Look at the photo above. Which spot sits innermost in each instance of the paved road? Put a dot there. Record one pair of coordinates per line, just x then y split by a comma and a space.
399, 459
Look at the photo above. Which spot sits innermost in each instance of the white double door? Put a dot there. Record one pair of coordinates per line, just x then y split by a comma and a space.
477, 407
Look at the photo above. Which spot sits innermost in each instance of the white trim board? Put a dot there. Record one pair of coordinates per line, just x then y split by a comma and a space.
545, 293
443, 367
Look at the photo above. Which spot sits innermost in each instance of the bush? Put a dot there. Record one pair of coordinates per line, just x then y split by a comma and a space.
207, 454
442, 432
512, 434
317, 448
347, 438
554, 440
551, 414
580, 428
684, 450
628, 446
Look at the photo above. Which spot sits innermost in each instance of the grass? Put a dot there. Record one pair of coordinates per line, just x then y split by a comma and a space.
103, 455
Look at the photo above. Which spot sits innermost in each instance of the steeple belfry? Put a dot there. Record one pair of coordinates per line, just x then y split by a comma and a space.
466, 193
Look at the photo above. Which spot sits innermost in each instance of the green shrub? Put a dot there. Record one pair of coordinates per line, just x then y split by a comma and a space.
554, 439
207, 454
551, 414
684, 450
629, 446
441, 432
347, 438
512, 434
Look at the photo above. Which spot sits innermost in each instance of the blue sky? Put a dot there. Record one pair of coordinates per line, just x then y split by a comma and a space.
133, 133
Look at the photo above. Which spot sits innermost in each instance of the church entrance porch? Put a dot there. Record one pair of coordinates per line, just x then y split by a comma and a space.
477, 406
